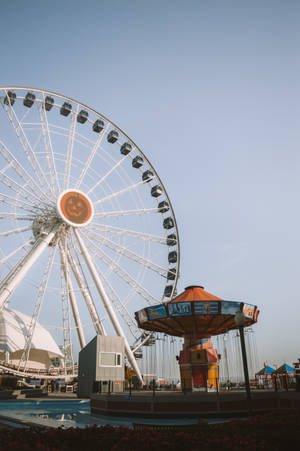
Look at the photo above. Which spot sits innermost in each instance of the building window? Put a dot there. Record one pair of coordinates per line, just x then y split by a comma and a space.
110, 359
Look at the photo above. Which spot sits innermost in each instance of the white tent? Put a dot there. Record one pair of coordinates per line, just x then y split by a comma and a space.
14, 326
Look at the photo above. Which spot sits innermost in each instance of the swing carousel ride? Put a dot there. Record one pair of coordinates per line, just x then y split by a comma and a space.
196, 315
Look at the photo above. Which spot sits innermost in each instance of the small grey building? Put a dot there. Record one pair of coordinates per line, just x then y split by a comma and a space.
101, 366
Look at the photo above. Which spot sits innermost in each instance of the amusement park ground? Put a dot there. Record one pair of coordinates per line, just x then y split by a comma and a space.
273, 425
175, 404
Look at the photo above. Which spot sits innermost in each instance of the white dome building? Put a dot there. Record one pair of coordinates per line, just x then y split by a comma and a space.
14, 326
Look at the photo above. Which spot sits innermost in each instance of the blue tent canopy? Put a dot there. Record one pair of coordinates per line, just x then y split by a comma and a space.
285, 368
265, 370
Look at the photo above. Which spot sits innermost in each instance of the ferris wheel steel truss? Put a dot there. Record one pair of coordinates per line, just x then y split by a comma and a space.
66, 193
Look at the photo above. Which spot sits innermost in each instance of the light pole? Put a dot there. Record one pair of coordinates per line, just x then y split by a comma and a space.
240, 321
226, 360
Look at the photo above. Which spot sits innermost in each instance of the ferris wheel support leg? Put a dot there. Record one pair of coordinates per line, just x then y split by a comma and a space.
107, 305
86, 295
19, 271
72, 298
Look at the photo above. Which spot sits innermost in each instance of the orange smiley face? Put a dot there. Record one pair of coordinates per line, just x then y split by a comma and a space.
75, 207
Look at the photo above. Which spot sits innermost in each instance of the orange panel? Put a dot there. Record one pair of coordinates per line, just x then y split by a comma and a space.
213, 376
212, 355
213, 371
195, 293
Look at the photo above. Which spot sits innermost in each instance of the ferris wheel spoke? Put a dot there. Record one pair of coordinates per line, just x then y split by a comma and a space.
49, 148
14, 216
120, 307
71, 293
20, 171
13, 253
17, 188
37, 142
118, 248
37, 308
28, 150
122, 191
122, 273
107, 174
70, 146
90, 160
15, 231
78, 139
127, 232
17, 203
142, 211
14, 186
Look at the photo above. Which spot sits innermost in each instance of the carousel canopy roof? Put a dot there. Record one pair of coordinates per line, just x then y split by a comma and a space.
265, 370
196, 312
195, 293
285, 368
14, 326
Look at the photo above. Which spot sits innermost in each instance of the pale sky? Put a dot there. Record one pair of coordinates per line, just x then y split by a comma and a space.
210, 91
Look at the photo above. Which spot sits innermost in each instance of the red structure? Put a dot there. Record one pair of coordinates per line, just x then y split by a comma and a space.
196, 315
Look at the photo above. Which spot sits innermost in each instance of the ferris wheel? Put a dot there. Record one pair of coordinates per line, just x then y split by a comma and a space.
88, 234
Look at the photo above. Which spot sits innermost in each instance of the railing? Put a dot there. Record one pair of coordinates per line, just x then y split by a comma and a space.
51, 373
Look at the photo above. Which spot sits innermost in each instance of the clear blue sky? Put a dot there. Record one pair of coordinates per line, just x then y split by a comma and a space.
210, 92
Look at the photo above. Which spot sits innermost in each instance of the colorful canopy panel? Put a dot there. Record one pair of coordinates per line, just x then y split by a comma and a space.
196, 312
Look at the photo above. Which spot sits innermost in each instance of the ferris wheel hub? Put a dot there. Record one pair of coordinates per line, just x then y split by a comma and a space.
75, 208
43, 224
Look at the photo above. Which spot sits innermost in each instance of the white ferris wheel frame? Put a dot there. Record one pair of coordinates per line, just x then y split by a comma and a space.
57, 228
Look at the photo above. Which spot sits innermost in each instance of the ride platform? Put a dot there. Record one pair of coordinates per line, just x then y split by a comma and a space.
191, 405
